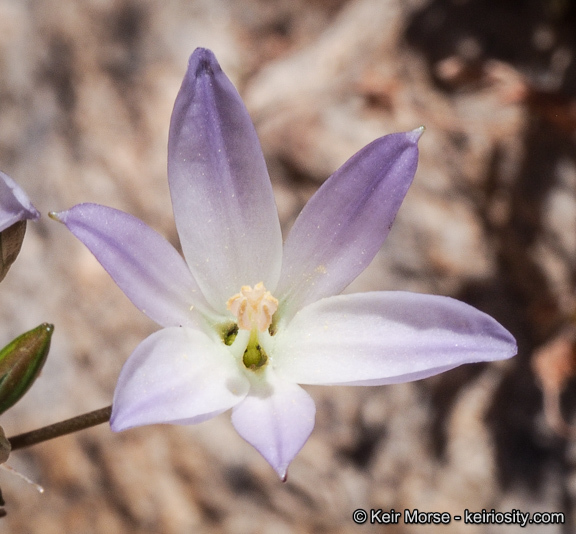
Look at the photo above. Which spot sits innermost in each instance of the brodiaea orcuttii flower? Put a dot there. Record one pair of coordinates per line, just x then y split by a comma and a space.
246, 319
15, 206
15, 210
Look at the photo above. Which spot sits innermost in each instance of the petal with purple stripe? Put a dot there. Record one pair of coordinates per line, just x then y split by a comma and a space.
344, 224
221, 193
178, 376
146, 267
385, 338
277, 419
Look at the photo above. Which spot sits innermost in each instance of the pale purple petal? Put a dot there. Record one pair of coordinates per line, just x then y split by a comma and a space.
221, 193
385, 338
179, 376
144, 265
14, 203
344, 224
277, 419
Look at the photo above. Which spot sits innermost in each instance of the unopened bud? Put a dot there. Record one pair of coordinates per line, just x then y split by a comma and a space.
21, 362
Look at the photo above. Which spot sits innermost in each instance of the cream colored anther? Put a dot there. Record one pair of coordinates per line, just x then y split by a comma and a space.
254, 307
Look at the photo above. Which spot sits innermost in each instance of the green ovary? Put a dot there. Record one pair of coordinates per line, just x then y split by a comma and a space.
254, 356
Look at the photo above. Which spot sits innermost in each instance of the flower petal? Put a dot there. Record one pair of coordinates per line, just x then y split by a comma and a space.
144, 265
221, 193
14, 203
344, 224
179, 376
384, 338
277, 419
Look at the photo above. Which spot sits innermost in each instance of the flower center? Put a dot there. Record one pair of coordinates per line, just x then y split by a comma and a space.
253, 307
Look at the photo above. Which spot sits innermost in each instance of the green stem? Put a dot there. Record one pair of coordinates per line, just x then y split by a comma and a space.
80, 422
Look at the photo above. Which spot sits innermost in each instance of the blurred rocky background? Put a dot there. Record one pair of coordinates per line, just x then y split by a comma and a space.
86, 92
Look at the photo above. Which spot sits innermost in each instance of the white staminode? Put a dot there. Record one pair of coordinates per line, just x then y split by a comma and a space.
254, 307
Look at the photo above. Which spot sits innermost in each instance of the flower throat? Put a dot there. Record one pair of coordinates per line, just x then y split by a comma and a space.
254, 309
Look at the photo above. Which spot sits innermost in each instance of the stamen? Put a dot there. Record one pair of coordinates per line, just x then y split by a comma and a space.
254, 307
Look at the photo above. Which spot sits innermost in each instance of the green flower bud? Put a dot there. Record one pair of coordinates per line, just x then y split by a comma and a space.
21, 362
10, 243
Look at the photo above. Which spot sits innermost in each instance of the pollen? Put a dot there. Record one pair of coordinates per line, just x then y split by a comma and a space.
253, 307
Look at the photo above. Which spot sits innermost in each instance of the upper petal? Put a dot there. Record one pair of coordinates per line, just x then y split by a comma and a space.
176, 375
385, 338
14, 203
277, 419
221, 193
344, 224
144, 265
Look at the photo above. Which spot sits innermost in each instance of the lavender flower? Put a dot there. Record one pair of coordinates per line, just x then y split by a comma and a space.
15, 209
15, 206
246, 319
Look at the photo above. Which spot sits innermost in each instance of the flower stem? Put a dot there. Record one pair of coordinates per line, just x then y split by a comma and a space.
80, 422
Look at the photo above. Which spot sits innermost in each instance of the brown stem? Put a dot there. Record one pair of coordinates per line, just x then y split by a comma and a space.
80, 422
